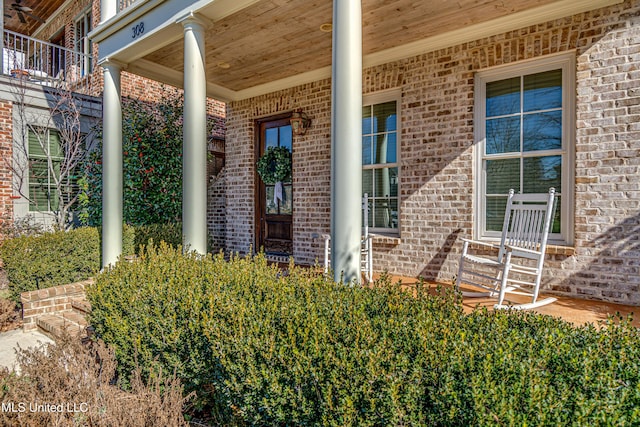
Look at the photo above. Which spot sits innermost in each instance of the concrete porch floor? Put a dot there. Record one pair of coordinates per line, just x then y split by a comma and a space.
576, 311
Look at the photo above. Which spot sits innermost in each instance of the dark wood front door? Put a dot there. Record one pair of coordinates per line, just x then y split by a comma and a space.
274, 214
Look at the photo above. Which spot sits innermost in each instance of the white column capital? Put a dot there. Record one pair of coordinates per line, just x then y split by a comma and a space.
194, 20
112, 64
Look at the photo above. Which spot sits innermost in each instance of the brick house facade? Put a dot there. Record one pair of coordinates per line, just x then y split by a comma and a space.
437, 155
60, 27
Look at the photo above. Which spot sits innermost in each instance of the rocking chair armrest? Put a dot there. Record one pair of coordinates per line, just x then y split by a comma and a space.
481, 243
512, 248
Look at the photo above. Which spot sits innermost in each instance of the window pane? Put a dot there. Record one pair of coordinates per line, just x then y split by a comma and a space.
367, 156
366, 120
556, 225
272, 207
285, 137
385, 149
271, 138
386, 184
503, 97
494, 214
384, 117
38, 196
540, 173
286, 205
35, 144
367, 182
39, 171
53, 202
503, 175
55, 145
542, 131
503, 135
543, 91
385, 213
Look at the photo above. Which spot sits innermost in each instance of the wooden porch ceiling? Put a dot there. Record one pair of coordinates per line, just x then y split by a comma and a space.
276, 39
32, 10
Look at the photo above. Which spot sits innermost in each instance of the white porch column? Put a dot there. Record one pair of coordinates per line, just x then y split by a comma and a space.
108, 9
194, 156
346, 140
112, 196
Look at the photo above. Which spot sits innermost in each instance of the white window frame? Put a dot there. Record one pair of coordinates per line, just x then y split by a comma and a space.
50, 186
565, 62
82, 44
393, 95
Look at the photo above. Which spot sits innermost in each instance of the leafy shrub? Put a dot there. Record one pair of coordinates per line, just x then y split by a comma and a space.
56, 258
152, 148
51, 259
265, 348
83, 377
171, 233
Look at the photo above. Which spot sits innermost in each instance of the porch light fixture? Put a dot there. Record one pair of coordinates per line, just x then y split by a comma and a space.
299, 122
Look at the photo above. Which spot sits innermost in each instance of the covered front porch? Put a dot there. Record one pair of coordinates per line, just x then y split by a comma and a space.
270, 60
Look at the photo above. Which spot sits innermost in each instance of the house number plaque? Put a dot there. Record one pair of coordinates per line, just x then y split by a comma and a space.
138, 30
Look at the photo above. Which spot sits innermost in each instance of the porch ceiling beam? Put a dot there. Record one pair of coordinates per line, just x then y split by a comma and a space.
166, 75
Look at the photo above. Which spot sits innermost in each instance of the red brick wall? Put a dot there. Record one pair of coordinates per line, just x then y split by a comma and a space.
131, 85
437, 152
6, 157
146, 90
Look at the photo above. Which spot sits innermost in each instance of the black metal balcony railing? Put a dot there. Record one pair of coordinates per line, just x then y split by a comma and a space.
42, 62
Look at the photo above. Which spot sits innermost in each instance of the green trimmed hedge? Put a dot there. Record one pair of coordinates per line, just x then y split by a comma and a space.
170, 233
50, 259
264, 348
62, 257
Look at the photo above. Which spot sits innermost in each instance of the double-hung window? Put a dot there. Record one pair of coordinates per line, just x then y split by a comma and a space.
380, 142
82, 44
525, 126
44, 147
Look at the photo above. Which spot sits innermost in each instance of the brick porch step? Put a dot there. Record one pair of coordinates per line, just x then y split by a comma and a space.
57, 324
81, 306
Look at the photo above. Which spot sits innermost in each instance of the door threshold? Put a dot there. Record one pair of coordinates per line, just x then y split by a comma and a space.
280, 258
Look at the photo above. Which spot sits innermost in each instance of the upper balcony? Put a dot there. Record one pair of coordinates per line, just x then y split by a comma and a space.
44, 63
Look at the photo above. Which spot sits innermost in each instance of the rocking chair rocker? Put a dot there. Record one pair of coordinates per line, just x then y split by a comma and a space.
518, 267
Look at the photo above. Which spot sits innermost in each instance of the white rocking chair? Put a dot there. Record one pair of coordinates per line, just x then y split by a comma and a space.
521, 252
366, 246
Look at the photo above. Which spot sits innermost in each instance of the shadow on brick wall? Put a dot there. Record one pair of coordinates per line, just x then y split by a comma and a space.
613, 273
432, 270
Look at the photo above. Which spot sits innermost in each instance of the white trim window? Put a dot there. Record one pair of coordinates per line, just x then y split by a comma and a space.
81, 43
380, 170
525, 124
45, 160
